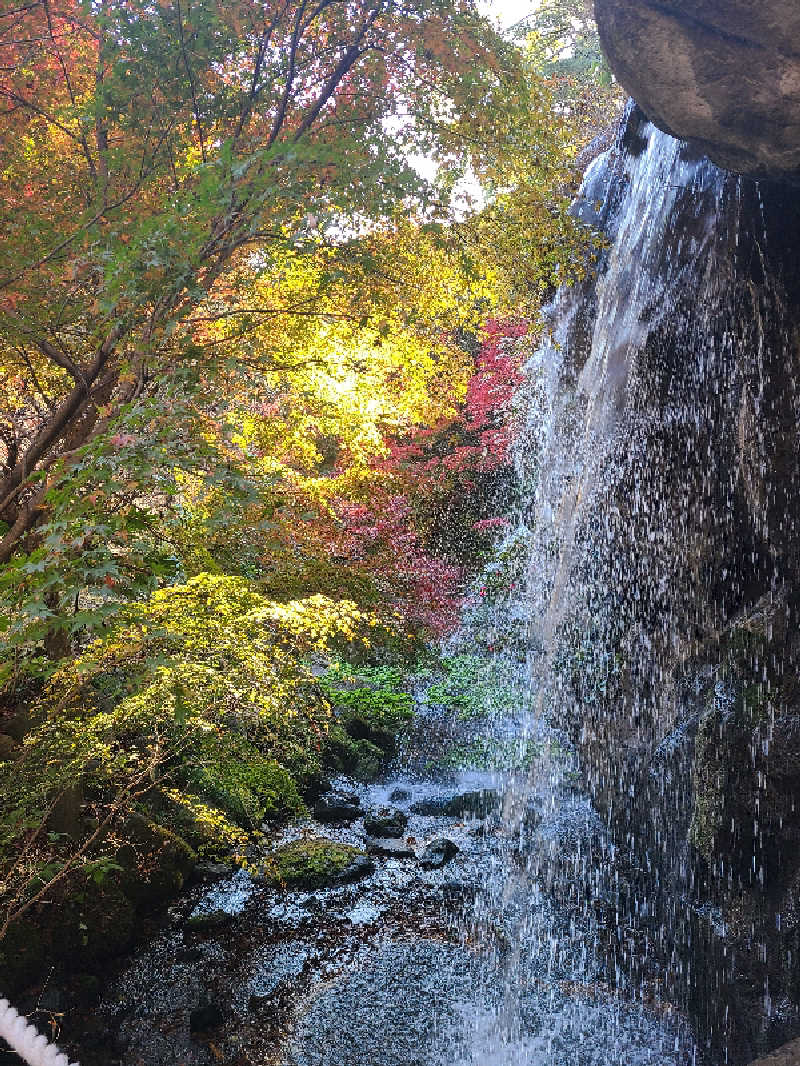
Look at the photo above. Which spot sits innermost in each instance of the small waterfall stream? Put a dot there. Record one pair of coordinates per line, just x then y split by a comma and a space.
660, 578
567, 998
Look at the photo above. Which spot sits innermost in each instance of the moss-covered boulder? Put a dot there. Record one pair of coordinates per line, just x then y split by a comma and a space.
315, 863
360, 759
248, 787
154, 861
385, 823
372, 713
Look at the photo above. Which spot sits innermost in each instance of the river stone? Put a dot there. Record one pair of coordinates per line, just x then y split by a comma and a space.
438, 852
361, 866
338, 807
722, 74
400, 795
205, 921
385, 823
390, 846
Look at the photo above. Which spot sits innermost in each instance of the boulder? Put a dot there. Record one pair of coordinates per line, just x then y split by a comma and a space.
361, 866
788, 1055
315, 863
385, 823
390, 847
437, 853
722, 74
208, 921
338, 807
475, 804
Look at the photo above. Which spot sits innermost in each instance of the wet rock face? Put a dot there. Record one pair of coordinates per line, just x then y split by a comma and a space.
679, 671
724, 74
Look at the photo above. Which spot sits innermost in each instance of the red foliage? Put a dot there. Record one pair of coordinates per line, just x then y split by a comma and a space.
381, 535
380, 540
490, 392
477, 440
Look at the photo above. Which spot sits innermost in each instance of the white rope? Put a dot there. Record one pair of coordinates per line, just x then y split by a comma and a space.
28, 1043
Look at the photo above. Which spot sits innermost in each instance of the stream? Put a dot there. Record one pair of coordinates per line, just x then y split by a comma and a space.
494, 953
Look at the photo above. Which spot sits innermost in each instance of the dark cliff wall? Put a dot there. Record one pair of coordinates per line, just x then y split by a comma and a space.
686, 577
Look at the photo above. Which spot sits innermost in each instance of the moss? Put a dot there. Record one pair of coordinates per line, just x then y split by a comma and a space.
372, 714
155, 861
360, 759
309, 863
248, 787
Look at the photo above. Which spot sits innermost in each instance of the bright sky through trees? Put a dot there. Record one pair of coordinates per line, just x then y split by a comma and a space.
508, 12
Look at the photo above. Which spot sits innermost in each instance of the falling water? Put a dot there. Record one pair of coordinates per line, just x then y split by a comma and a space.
651, 549
565, 999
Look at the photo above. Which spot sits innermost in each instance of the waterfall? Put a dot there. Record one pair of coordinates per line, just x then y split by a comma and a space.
654, 501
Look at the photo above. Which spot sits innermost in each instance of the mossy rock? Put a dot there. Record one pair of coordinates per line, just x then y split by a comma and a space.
379, 716
247, 786
155, 861
360, 759
312, 863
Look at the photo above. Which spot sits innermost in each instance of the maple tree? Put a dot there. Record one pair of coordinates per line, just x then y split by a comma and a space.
456, 472
148, 146
563, 38
200, 198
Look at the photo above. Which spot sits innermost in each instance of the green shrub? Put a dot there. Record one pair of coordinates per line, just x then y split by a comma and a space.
475, 687
206, 691
245, 785
370, 704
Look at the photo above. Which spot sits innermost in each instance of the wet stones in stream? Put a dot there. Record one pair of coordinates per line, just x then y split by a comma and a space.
385, 823
437, 853
338, 807
385, 830
478, 804
268, 947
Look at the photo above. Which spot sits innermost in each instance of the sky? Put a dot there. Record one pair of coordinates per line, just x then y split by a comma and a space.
507, 12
